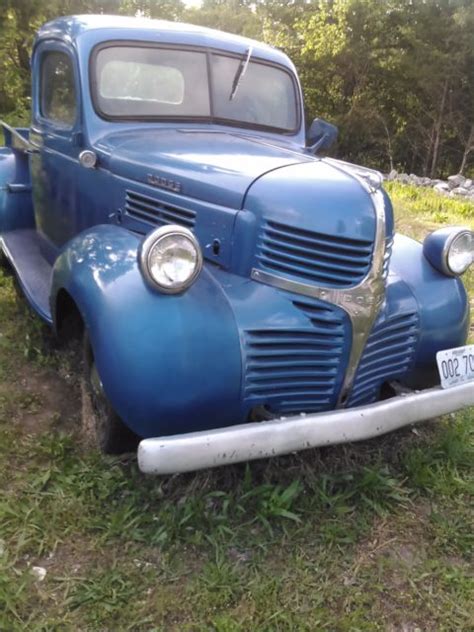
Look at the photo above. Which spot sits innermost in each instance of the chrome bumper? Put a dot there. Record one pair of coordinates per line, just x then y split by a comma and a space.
247, 442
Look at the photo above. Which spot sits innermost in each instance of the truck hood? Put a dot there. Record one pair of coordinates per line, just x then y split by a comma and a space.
324, 196
312, 222
215, 167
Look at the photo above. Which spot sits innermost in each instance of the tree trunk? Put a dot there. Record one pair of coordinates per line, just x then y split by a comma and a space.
437, 130
428, 155
468, 147
389, 145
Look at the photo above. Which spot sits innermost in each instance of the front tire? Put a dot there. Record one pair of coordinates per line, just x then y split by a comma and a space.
101, 425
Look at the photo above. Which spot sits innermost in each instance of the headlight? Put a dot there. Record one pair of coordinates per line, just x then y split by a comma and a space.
459, 253
170, 259
450, 250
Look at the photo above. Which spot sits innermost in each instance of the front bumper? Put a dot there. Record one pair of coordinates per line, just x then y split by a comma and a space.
250, 441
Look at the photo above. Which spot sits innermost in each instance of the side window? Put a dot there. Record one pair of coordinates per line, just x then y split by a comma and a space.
57, 90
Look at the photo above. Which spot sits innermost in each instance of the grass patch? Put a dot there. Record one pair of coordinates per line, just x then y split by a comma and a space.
373, 536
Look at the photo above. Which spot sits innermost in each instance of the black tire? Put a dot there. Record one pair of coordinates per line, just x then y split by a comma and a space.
101, 425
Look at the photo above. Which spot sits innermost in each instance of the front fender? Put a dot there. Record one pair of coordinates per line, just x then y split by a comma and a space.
443, 305
168, 364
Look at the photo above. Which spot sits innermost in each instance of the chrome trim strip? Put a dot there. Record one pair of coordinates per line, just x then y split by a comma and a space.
362, 302
247, 442
26, 144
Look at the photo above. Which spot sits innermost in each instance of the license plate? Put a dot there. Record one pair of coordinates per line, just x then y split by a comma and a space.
456, 366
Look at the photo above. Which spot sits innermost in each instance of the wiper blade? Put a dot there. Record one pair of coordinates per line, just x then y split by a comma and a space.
239, 75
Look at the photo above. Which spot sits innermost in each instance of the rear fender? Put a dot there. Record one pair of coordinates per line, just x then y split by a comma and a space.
16, 207
168, 364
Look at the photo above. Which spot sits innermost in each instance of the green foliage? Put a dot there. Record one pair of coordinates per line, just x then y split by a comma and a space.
429, 202
396, 76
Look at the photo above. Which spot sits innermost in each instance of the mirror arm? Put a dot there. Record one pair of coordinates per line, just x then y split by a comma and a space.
312, 149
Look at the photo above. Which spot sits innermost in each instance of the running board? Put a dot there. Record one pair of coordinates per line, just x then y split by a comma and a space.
22, 249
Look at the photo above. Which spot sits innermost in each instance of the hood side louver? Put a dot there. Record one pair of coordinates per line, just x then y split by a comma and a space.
147, 209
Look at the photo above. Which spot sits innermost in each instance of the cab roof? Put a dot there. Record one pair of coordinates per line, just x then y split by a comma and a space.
113, 27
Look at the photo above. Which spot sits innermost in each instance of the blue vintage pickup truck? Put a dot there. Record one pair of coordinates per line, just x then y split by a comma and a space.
239, 295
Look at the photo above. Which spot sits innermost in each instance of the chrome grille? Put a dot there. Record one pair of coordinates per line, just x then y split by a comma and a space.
388, 354
317, 257
145, 208
296, 369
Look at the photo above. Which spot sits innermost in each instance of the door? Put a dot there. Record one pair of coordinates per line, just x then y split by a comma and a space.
56, 131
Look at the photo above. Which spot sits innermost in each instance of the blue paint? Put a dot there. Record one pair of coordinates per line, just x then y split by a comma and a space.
215, 167
16, 209
443, 306
254, 199
435, 244
169, 364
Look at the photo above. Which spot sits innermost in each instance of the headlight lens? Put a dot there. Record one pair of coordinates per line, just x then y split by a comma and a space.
450, 250
171, 259
459, 255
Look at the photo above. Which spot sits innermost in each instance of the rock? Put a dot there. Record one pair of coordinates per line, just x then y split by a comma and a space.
414, 179
39, 572
240, 555
455, 185
456, 181
460, 191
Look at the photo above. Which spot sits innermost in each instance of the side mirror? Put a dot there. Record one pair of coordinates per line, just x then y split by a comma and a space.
321, 135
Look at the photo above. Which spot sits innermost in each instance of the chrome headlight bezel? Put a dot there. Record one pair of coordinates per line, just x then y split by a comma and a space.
448, 248
152, 240
438, 246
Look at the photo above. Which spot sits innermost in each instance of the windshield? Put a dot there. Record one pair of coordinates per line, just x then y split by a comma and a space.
132, 82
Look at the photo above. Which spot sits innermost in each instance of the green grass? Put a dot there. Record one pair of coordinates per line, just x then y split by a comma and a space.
418, 211
373, 536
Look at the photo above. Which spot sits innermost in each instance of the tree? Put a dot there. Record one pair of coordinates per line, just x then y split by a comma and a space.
395, 75
233, 16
